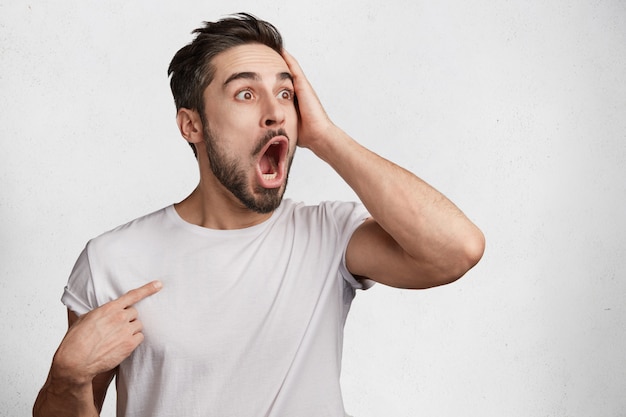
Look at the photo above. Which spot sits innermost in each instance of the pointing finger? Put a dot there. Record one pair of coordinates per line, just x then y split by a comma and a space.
138, 294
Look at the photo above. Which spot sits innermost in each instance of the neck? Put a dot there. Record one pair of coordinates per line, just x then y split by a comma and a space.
214, 207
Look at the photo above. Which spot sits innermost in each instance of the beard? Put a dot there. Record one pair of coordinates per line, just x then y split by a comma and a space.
233, 174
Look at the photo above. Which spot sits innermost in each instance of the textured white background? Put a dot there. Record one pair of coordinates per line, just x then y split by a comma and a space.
515, 110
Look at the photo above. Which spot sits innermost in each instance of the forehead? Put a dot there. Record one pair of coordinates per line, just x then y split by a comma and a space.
255, 58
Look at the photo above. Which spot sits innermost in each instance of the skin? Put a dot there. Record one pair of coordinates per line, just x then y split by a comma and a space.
87, 358
416, 238
236, 124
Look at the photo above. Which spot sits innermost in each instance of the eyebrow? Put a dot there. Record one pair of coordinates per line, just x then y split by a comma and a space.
284, 76
256, 77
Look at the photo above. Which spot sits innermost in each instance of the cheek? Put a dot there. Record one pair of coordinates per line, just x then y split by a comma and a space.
232, 125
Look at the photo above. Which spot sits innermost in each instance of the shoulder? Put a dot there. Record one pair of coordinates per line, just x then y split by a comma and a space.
328, 217
144, 228
330, 210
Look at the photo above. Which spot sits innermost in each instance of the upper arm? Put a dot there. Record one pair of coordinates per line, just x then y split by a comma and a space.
372, 253
101, 382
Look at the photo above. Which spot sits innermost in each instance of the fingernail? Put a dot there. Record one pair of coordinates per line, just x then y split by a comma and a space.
158, 285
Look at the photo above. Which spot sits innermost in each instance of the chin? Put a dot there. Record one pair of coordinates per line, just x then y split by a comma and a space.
263, 200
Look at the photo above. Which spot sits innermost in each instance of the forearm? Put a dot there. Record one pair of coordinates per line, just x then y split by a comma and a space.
59, 398
419, 238
428, 226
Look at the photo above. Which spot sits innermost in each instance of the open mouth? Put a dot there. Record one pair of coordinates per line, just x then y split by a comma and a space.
271, 164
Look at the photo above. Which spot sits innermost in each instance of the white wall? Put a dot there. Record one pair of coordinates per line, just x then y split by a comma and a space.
515, 110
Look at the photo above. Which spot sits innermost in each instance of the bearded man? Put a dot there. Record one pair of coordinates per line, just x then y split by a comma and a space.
232, 302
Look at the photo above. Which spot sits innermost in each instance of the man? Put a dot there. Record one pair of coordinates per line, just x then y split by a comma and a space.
232, 302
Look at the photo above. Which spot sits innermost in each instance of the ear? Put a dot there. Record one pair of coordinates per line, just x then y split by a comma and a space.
190, 125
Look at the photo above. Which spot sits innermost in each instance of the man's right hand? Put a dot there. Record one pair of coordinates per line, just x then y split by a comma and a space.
101, 339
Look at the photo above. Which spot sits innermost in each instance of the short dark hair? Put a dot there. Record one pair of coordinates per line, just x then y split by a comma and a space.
191, 70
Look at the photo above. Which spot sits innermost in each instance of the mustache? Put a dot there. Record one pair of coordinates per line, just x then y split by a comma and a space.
269, 135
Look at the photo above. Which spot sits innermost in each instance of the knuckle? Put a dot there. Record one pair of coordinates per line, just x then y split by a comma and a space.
120, 315
130, 297
129, 345
104, 308
138, 339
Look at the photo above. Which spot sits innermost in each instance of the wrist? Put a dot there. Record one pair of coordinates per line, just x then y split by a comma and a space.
58, 398
67, 375
324, 143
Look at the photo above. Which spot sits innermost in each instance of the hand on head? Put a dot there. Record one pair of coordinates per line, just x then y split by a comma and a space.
315, 125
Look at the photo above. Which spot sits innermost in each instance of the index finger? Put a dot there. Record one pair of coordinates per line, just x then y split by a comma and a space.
138, 294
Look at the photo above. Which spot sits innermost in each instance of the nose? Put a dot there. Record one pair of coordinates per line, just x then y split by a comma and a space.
273, 113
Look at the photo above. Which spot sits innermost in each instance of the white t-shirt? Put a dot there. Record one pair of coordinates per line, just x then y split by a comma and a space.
249, 322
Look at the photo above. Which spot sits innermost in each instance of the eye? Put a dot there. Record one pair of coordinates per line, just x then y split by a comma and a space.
285, 94
244, 95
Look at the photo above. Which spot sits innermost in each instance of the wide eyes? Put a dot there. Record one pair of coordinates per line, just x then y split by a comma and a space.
285, 94
246, 95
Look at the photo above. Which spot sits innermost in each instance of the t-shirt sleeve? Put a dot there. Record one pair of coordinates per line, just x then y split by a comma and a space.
79, 294
348, 217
